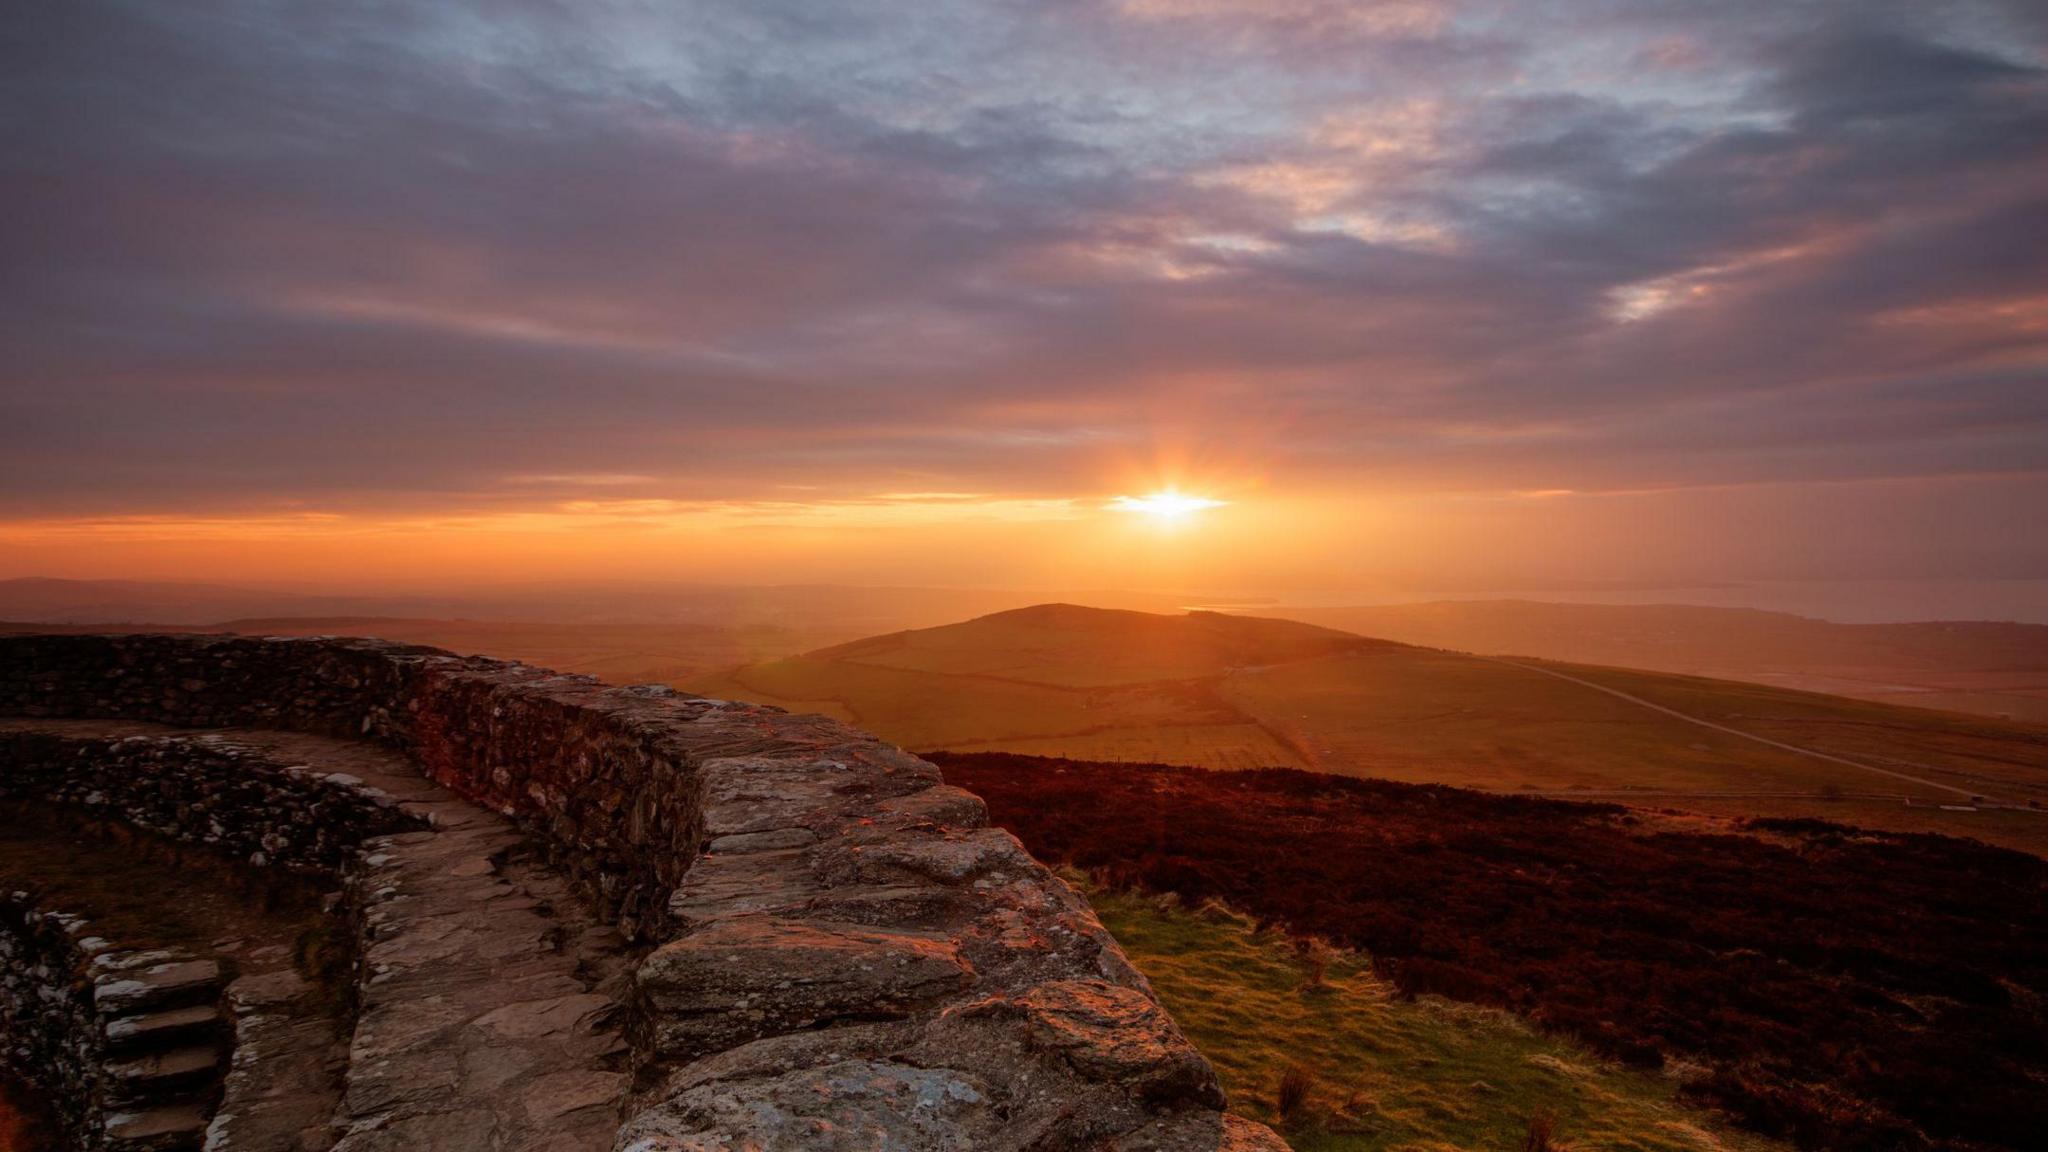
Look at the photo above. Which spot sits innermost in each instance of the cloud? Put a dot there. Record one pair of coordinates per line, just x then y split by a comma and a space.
384, 257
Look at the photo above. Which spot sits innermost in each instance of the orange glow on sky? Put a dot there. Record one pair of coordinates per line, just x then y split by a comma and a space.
1254, 543
1189, 294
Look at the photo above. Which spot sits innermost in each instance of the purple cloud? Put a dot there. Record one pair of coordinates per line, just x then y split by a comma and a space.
374, 256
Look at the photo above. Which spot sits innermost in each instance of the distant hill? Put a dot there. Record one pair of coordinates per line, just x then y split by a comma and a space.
40, 600
1988, 667
1221, 691
825, 611
1233, 691
1072, 645
618, 653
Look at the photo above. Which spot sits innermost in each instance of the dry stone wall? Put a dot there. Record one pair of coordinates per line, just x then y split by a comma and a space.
205, 790
125, 1041
841, 954
46, 1017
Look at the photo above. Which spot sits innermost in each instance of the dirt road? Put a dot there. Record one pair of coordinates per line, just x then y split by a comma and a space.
1690, 719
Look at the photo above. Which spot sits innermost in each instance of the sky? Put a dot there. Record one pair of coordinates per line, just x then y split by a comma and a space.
1444, 295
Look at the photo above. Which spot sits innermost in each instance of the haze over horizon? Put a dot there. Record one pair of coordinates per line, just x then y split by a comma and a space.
1742, 303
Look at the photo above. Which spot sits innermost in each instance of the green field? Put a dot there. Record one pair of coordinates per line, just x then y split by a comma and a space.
1080, 647
1421, 1075
1986, 667
1233, 692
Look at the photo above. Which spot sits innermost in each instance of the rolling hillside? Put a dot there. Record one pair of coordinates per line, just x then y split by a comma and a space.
1079, 647
1382, 1070
1989, 667
1238, 692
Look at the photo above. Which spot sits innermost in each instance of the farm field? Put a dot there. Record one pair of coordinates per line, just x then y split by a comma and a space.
1426, 716
1386, 1072
1987, 667
1223, 747
931, 710
1977, 753
1242, 692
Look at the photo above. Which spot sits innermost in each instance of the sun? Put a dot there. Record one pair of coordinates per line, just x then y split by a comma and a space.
1169, 507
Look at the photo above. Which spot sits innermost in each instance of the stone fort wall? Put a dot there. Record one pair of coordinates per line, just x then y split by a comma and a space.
838, 951
74, 1007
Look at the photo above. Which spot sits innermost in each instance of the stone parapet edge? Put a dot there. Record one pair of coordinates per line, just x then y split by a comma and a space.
839, 941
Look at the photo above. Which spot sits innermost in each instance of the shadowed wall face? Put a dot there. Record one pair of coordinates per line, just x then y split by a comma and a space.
1421, 288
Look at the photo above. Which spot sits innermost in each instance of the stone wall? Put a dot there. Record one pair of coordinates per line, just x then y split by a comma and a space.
81, 1017
337, 688
598, 773
46, 1017
843, 954
204, 791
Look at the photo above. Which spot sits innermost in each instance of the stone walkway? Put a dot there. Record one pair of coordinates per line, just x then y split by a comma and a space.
489, 1012
286, 1074
894, 973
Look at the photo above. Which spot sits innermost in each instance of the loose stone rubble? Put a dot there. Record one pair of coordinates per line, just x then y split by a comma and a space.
835, 951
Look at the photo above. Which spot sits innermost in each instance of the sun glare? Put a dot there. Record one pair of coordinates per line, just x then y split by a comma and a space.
1169, 506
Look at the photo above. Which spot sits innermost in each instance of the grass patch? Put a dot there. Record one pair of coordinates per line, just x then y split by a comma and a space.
1843, 988
1345, 1064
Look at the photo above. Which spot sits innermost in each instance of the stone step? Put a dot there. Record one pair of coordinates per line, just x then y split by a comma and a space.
173, 1027
176, 1128
175, 984
165, 1076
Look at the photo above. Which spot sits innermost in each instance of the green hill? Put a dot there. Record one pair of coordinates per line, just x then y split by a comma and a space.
1226, 692
1989, 667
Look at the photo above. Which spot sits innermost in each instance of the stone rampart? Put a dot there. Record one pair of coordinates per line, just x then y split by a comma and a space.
118, 1038
47, 1025
840, 953
205, 790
